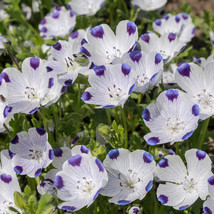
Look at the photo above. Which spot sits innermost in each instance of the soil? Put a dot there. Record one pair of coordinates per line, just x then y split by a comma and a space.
197, 6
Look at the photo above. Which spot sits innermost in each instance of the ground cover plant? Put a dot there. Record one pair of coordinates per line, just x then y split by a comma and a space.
106, 107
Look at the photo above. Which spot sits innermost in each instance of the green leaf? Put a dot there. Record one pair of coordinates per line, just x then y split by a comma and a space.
44, 205
27, 190
19, 200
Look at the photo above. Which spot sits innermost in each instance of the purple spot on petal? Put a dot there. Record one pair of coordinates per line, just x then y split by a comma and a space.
7, 110
184, 69
100, 165
74, 35
211, 180
57, 46
207, 210
147, 157
97, 193
194, 31
131, 89
163, 163
74, 140
158, 58
86, 96
85, 51
126, 69
58, 152
113, 154
171, 152
171, 37
149, 186
5, 77
185, 16
146, 114
58, 182
171, 94
11, 154
34, 62
177, 19
38, 172
183, 207
166, 17
131, 28
83, 42
109, 106
33, 111
163, 199
100, 70
43, 21
72, 14
123, 202
200, 154
51, 82
97, 32
145, 37
15, 140
187, 135
75, 160
135, 56
84, 149
63, 89
55, 15
44, 30
40, 131
18, 169
69, 208
49, 69
51, 154
68, 82
195, 110
158, 22
153, 141
6, 178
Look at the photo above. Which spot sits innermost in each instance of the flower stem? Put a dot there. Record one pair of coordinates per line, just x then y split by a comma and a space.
203, 132
108, 116
7, 130
125, 127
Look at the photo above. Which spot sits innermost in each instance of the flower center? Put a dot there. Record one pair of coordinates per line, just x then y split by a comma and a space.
174, 125
31, 94
86, 187
114, 53
130, 181
4, 207
115, 93
189, 184
205, 100
142, 80
48, 186
36, 154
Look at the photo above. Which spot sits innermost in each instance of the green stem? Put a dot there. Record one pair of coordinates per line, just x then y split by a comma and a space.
79, 96
31, 183
148, 100
108, 116
44, 122
140, 96
155, 201
203, 132
7, 130
125, 127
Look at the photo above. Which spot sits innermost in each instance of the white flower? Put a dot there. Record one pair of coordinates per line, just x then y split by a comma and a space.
202, 61
111, 85
148, 68
3, 14
173, 118
212, 37
65, 54
32, 152
130, 175
86, 7
180, 24
197, 82
61, 155
104, 46
149, 5
183, 185
167, 45
8, 183
58, 23
27, 89
80, 181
